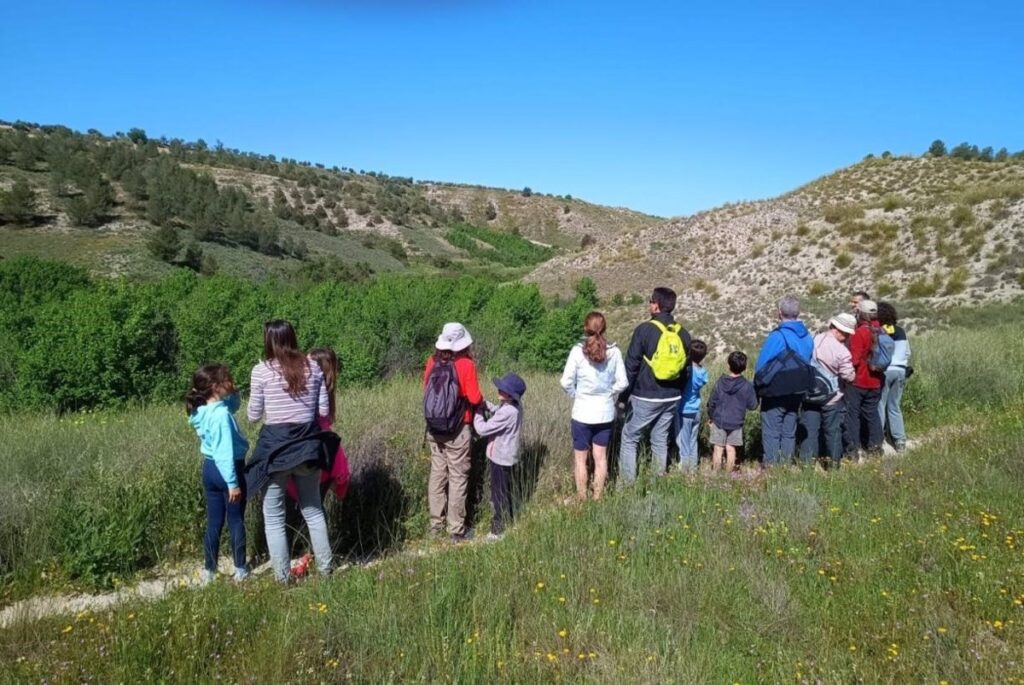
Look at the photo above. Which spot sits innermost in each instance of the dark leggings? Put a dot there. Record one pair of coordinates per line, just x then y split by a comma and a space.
217, 509
501, 496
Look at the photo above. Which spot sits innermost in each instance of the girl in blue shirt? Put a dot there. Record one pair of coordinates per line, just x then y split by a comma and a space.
211, 403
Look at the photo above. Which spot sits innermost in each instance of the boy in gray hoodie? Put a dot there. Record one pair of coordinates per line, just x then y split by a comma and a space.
503, 429
730, 401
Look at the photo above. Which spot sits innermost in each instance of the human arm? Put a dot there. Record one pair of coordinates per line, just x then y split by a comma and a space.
323, 401
751, 397
844, 364
257, 381
860, 345
221, 439
773, 344
568, 380
503, 417
712, 403
469, 385
621, 381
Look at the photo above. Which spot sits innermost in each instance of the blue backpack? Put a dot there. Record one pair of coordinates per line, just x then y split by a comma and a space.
883, 347
787, 374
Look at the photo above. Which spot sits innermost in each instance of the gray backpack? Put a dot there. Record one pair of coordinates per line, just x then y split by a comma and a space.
442, 406
825, 385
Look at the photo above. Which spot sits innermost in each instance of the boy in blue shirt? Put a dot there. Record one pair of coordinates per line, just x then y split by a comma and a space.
689, 408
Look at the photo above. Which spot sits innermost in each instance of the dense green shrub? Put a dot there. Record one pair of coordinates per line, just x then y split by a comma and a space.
69, 344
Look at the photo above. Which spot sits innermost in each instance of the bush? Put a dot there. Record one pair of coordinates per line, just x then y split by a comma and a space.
962, 216
843, 259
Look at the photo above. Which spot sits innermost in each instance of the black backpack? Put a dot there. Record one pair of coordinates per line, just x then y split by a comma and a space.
787, 374
442, 406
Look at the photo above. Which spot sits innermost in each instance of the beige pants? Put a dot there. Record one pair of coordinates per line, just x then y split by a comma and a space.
449, 477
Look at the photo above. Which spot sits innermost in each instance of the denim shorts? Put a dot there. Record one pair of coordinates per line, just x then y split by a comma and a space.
585, 434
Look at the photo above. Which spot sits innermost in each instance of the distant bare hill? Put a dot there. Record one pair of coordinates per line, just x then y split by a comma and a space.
925, 232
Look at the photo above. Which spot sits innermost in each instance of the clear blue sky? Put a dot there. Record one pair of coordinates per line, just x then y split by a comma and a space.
666, 107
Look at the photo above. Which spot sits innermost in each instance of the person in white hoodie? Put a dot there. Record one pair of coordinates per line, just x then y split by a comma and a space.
594, 376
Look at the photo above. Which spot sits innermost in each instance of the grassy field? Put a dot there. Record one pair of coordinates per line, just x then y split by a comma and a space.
904, 570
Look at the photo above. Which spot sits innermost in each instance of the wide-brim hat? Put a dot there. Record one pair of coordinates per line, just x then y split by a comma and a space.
512, 385
454, 337
844, 322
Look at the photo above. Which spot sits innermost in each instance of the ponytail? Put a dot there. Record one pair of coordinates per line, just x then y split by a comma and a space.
204, 381
595, 347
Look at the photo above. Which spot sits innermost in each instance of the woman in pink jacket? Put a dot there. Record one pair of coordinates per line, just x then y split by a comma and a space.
822, 426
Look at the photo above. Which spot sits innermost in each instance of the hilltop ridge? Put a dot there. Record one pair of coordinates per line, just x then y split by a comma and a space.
938, 231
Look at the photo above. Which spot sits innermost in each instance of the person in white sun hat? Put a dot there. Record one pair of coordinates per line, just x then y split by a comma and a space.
821, 426
450, 399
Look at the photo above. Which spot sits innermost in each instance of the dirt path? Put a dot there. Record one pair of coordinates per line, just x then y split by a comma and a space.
45, 606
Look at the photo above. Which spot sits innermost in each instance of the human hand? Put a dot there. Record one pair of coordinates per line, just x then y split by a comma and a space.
234, 495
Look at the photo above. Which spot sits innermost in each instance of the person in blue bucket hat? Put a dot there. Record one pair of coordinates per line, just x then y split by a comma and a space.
502, 425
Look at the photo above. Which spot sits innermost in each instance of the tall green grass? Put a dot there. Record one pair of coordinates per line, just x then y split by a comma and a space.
907, 570
93, 498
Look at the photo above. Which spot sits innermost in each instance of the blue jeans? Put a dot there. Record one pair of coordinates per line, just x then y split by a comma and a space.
646, 416
686, 440
307, 482
822, 432
217, 509
778, 429
889, 405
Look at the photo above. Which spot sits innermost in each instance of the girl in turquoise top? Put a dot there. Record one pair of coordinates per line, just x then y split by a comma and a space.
211, 403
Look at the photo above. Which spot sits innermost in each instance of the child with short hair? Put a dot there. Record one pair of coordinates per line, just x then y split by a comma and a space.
211, 403
689, 407
503, 429
731, 399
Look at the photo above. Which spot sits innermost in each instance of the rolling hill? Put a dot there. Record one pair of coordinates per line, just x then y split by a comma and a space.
929, 233
98, 200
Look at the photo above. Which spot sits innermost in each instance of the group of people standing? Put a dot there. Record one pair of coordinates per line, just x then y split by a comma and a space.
825, 396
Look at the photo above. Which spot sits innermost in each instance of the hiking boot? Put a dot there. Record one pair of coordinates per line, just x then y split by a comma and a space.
493, 537
457, 538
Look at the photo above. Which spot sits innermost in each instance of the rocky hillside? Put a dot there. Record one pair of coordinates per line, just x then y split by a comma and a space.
926, 233
100, 201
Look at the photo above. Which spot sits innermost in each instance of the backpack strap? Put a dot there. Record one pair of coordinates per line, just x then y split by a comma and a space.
660, 326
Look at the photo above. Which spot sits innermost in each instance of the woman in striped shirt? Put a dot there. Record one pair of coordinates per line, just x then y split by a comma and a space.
289, 393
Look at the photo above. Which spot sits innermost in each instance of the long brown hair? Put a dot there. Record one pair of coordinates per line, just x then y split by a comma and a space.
204, 381
327, 360
280, 345
595, 347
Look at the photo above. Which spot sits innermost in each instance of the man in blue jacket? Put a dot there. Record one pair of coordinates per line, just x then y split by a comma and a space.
779, 414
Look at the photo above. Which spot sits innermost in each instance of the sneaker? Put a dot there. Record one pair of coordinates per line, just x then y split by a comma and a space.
493, 537
301, 567
207, 576
241, 574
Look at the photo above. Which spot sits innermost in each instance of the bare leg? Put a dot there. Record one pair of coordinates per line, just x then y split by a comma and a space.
730, 458
716, 458
580, 472
600, 469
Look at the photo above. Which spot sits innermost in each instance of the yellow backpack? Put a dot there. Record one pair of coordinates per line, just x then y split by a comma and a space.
669, 359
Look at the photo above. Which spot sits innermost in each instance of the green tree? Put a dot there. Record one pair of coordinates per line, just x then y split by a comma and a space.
937, 148
209, 266
193, 255
137, 136
164, 243
18, 205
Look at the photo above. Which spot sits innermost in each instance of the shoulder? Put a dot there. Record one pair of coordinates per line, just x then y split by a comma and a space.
613, 352
261, 370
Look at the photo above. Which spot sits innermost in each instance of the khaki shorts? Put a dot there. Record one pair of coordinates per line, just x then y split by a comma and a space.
720, 437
